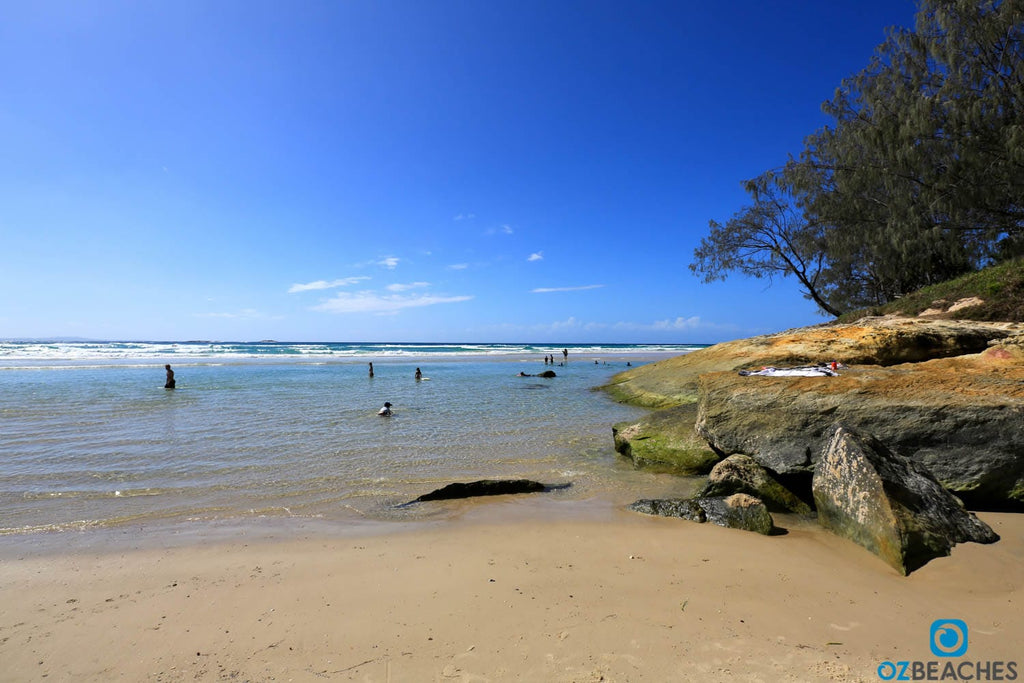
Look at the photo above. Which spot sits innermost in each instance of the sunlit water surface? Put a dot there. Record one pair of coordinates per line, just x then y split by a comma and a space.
100, 444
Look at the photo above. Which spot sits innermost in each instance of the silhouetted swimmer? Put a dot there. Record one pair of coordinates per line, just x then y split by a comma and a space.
371, 369
170, 377
385, 411
565, 354
419, 375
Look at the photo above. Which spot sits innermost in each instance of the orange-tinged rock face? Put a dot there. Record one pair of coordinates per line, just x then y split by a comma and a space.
882, 341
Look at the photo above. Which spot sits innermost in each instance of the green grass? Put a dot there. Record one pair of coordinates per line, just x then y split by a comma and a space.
1000, 287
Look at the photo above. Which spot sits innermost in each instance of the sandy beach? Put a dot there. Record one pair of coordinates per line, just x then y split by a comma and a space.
503, 589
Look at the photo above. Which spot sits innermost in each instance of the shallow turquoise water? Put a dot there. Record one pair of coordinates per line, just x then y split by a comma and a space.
89, 444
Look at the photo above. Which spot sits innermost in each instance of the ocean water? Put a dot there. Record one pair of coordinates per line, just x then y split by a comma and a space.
90, 439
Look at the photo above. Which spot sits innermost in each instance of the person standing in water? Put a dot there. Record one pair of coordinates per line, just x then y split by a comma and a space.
419, 375
170, 377
371, 370
565, 354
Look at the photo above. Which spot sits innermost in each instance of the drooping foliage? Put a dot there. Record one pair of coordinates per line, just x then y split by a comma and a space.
767, 239
921, 176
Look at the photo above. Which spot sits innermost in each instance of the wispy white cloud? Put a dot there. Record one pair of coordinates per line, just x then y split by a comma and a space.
398, 287
691, 323
389, 262
570, 323
458, 266
372, 302
326, 284
545, 290
503, 229
536, 256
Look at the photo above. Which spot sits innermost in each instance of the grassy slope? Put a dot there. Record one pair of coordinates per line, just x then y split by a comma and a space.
1000, 288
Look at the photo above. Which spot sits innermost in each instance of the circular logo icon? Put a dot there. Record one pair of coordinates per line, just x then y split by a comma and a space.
948, 638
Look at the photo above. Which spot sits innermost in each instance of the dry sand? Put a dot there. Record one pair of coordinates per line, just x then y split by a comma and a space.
499, 593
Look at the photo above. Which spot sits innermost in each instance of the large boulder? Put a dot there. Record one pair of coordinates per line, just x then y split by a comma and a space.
742, 474
666, 437
889, 504
880, 341
962, 418
738, 511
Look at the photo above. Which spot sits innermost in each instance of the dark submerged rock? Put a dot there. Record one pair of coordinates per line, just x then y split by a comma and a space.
738, 511
890, 504
485, 487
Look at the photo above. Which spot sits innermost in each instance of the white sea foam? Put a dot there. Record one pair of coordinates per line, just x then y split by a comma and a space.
15, 354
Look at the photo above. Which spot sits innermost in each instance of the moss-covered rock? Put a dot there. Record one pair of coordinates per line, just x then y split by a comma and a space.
738, 511
741, 474
666, 437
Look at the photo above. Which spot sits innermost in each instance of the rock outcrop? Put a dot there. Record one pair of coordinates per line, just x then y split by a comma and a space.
962, 418
949, 393
945, 397
880, 341
742, 474
738, 511
666, 437
889, 504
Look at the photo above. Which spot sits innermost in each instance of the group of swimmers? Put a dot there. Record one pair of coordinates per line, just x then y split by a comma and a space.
418, 375
550, 360
383, 412
386, 410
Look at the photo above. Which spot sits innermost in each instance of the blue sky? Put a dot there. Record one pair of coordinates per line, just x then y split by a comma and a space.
452, 170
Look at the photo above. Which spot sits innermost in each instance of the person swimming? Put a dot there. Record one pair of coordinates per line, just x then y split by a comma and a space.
385, 411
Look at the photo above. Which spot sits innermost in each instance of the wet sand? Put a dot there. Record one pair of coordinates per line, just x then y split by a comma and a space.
502, 591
